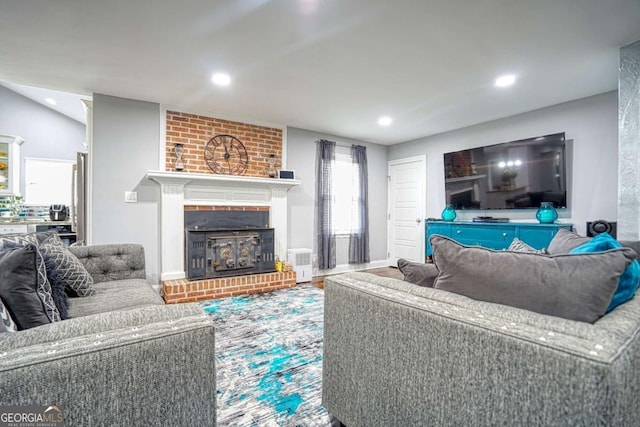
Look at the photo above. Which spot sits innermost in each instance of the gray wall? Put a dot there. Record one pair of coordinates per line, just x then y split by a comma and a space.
591, 124
126, 137
126, 143
47, 133
301, 153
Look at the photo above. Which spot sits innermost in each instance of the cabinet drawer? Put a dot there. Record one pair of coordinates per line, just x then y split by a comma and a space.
442, 229
494, 237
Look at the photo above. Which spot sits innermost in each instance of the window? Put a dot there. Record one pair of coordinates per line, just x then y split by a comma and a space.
48, 182
345, 182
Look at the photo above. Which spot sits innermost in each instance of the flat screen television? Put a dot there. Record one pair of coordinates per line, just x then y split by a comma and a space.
511, 175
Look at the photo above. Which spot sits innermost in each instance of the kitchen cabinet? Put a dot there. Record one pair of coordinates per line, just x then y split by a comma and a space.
10, 165
13, 228
494, 235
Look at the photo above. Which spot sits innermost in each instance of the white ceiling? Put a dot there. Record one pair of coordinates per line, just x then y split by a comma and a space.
331, 66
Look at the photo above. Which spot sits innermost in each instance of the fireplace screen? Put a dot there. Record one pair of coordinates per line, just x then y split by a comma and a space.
223, 253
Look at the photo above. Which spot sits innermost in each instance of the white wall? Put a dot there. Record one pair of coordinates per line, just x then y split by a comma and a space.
126, 136
301, 153
591, 124
47, 133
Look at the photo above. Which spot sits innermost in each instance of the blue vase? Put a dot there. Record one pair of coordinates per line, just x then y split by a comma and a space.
449, 214
546, 213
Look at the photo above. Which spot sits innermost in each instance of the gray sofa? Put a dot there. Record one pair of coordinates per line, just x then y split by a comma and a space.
397, 354
124, 358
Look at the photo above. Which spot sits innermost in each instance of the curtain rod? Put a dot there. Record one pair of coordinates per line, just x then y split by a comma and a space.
341, 144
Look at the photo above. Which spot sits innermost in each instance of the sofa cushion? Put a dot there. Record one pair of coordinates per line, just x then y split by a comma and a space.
564, 241
418, 273
112, 261
628, 283
114, 296
578, 287
78, 281
6, 322
19, 286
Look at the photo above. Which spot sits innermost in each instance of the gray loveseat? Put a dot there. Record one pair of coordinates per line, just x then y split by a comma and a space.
397, 354
124, 358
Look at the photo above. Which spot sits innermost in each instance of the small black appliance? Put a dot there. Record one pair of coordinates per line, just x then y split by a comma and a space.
58, 212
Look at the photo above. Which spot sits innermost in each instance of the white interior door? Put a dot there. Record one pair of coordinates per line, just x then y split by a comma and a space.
407, 201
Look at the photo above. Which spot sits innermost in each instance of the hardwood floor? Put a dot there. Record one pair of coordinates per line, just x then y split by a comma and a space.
395, 273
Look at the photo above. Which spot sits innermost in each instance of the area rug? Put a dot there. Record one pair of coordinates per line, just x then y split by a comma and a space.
269, 358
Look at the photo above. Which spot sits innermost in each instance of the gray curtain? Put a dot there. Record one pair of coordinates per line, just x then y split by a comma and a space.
359, 238
325, 238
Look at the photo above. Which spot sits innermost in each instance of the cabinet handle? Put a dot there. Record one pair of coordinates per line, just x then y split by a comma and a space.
504, 234
458, 231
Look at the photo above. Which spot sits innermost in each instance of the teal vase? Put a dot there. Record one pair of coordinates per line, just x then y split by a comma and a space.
449, 214
546, 213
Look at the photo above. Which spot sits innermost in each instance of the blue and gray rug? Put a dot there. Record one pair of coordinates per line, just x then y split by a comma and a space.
269, 358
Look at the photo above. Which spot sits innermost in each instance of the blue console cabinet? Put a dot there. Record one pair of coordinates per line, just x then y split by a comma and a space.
494, 235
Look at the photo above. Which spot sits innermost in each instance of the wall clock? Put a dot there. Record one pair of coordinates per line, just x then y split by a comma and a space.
225, 154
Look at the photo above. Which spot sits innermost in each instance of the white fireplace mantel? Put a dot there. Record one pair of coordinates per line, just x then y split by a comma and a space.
178, 189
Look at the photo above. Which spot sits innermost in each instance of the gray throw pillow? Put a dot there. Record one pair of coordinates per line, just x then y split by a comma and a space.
417, 273
6, 322
19, 287
45, 291
577, 287
633, 244
564, 241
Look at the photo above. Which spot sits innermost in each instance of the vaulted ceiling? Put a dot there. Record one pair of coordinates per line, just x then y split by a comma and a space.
332, 66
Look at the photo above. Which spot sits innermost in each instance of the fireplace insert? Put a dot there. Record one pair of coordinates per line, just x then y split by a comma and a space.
229, 252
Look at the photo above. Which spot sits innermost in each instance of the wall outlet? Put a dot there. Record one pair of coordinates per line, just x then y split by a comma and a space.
130, 196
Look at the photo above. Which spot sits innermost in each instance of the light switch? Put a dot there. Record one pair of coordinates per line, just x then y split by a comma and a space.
131, 196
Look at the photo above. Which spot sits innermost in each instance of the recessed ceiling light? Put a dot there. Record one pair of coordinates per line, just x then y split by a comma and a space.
50, 101
221, 79
506, 80
385, 121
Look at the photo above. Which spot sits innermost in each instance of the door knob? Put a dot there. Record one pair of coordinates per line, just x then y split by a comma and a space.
418, 220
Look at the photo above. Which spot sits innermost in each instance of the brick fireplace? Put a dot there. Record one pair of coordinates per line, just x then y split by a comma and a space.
196, 188
181, 191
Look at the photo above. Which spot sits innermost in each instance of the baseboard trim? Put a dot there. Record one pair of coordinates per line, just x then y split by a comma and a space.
345, 268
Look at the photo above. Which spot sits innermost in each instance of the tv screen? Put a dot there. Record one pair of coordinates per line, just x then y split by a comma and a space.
512, 175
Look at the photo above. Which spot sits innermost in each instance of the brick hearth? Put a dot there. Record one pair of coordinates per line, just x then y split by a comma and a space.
183, 290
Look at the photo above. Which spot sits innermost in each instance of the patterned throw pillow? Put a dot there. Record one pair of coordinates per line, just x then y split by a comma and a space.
77, 279
21, 239
43, 290
518, 245
58, 287
6, 322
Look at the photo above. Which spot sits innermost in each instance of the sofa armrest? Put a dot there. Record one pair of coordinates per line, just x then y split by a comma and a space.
161, 372
112, 261
398, 354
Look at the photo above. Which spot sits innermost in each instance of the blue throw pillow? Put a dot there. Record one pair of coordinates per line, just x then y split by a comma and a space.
629, 280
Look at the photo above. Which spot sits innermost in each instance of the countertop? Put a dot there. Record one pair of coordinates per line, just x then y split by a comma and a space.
8, 221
